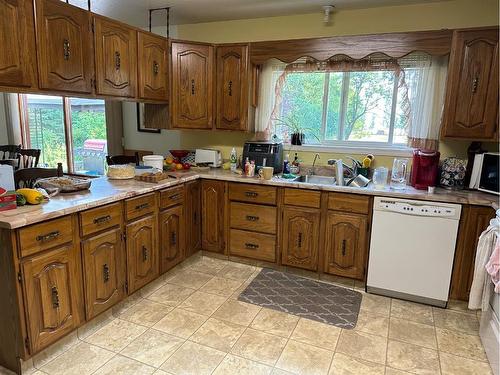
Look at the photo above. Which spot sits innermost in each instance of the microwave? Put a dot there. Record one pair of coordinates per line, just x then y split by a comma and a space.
484, 176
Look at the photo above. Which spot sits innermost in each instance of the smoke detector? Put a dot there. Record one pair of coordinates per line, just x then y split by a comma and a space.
327, 11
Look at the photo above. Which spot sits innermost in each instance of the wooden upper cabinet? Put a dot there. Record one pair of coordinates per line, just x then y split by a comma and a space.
104, 271
232, 87
193, 217
212, 216
17, 40
300, 237
152, 66
53, 300
192, 86
115, 57
171, 237
346, 245
64, 45
471, 101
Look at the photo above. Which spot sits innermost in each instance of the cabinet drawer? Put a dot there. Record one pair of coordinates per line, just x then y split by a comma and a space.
252, 245
349, 202
304, 198
45, 235
100, 218
252, 193
252, 217
140, 206
171, 197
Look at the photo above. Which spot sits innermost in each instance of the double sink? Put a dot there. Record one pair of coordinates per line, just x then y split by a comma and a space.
322, 180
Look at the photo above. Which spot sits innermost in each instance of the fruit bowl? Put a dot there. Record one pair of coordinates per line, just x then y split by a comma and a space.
179, 153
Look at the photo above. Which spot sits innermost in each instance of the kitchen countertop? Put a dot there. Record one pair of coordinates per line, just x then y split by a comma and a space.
104, 191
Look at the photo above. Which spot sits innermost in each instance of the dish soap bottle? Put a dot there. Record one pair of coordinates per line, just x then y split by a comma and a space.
286, 164
234, 160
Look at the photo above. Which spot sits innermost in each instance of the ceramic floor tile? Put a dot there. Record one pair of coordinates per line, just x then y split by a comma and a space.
192, 358
116, 335
146, 313
153, 286
371, 323
232, 365
218, 334
236, 271
153, 347
81, 359
95, 324
125, 304
411, 311
202, 303
462, 306
237, 312
376, 304
345, 365
208, 266
304, 359
413, 333
362, 345
222, 287
412, 358
190, 279
120, 365
259, 346
55, 350
275, 322
316, 333
460, 344
180, 323
456, 321
393, 371
453, 365
278, 371
171, 294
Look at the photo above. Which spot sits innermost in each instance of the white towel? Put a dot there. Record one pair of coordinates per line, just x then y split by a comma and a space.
479, 297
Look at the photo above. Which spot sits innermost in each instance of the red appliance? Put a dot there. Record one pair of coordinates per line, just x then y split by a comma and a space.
425, 168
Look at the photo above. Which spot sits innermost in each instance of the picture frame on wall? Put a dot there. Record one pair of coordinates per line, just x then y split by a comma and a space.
140, 121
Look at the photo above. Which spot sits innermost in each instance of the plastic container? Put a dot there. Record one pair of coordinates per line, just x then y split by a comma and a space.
155, 161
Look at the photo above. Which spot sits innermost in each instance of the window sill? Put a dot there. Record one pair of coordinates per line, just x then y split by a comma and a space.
380, 151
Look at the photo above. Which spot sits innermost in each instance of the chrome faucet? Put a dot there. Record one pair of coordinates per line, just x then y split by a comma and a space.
311, 171
352, 171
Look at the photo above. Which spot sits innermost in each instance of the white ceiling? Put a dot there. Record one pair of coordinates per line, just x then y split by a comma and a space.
135, 12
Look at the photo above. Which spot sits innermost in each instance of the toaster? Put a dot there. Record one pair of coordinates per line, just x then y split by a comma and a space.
212, 158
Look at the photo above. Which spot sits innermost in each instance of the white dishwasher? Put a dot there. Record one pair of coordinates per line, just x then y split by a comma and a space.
412, 249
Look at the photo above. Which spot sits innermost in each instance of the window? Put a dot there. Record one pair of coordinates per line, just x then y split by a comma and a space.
71, 131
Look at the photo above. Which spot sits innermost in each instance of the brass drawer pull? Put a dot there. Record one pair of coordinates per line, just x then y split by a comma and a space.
252, 218
145, 254
55, 297
118, 60
141, 206
105, 272
102, 219
67, 51
251, 246
251, 194
49, 236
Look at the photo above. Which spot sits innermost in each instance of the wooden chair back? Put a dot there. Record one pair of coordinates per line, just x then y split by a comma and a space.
123, 159
26, 177
28, 158
9, 151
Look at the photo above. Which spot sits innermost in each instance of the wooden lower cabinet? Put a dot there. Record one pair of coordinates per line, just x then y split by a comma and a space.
300, 237
171, 237
192, 210
346, 244
53, 295
104, 271
142, 252
212, 219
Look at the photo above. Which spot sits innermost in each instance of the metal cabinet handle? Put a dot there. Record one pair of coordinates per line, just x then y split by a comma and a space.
192, 87
174, 196
105, 272
55, 297
142, 206
252, 218
173, 238
118, 60
145, 254
156, 68
230, 88
299, 240
251, 246
251, 194
475, 83
66, 49
48, 236
343, 247
102, 219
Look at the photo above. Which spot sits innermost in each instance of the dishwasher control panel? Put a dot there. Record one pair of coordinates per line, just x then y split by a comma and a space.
415, 208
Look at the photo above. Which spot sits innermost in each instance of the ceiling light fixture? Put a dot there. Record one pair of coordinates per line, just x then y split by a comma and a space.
327, 10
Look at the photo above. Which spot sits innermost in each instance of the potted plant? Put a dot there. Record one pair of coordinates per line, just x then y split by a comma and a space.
297, 130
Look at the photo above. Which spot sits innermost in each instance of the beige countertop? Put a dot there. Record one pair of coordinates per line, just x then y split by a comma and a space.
105, 191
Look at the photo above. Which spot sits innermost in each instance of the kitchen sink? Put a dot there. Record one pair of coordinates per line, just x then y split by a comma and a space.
320, 180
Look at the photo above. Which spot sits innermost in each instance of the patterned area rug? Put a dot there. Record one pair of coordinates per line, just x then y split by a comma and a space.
303, 297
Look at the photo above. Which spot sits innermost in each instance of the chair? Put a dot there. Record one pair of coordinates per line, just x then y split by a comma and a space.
123, 159
26, 177
28, 158
9, 151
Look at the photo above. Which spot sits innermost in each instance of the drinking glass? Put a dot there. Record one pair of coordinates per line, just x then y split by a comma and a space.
380, 177
399, 174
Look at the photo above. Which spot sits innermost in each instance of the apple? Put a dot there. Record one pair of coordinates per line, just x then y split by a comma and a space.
186, 166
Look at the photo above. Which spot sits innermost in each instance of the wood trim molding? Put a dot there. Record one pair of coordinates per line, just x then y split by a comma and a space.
358, 46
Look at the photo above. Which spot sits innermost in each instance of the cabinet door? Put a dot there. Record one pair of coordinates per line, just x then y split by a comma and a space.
300, 237
142, 252
52, 295
193, 217
232, 87
152, 67
104, 271
171, 237
116, 58
192, 86
346, 245
64, 45
212, 218
17, 36
472, 90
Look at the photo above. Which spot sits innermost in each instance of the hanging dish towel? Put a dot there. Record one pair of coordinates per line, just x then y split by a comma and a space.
493, 266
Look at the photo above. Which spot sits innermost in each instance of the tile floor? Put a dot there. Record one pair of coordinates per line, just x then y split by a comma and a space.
190, 322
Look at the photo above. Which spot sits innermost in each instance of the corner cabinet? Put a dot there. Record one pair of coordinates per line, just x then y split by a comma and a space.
192, 86
152, 66
232, 87
471, 102
115, 57
18, 51
213, 215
